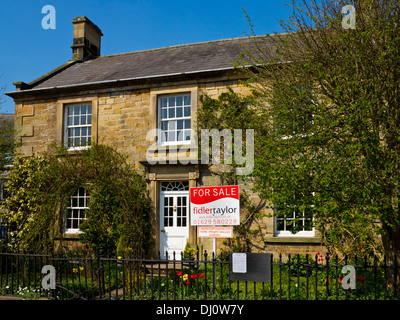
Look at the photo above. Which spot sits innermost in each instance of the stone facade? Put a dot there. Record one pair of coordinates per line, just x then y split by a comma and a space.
122, 118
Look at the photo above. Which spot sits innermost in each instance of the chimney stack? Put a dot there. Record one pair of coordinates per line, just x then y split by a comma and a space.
87, 38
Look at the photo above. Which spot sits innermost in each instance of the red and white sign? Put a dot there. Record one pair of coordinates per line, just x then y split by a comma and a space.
213, 206
215, 232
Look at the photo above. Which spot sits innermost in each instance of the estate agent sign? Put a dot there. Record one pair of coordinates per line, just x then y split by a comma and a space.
214, 206
215, 232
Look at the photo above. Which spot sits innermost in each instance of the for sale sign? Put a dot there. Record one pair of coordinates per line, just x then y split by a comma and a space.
213, 206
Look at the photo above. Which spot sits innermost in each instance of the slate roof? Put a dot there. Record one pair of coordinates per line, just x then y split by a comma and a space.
174, 60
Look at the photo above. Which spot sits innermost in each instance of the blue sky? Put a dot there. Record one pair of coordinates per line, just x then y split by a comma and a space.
29, 51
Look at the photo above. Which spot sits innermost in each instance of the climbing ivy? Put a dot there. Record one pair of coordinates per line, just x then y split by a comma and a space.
41, 186
233, 111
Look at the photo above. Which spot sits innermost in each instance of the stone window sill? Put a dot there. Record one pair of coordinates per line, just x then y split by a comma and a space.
299, 240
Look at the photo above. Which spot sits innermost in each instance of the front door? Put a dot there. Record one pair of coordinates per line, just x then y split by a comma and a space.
174, 218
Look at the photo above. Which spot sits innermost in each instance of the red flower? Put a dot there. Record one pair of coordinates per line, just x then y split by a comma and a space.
361, 278
187, 282
201, 275
193, 276
179, 274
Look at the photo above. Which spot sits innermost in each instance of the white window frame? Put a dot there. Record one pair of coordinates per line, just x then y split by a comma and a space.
3, 191
161, 119
287, 233
300, 135
68, 228
73, 126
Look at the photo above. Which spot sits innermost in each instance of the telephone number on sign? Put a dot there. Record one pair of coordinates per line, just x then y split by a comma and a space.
217, 221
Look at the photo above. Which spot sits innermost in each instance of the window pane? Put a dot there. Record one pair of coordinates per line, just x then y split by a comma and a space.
76, 120
75, 224
187, 124
171, 113
83, 119
70, 120
81, 202
172, 125
280, 225
187, 135
70, 142
171, 136
163, 113
179, 112
187, 100
180, 135
171, 101
164, 136
289, 225
179, 101
89, 119
179, 124
187, 112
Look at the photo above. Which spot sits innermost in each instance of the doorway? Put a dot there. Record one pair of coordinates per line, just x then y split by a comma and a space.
174, 218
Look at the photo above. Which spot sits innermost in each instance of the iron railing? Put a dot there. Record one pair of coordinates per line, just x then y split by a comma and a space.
110, 276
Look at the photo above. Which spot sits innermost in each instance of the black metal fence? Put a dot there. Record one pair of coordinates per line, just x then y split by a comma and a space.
96, 276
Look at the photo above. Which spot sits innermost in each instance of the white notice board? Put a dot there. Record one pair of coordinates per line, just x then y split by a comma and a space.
239, 262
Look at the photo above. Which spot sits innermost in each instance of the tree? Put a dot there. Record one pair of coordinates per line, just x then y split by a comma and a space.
331, 144
41, 187
7, 132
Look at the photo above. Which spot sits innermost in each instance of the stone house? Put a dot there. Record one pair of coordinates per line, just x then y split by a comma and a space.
116, 100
